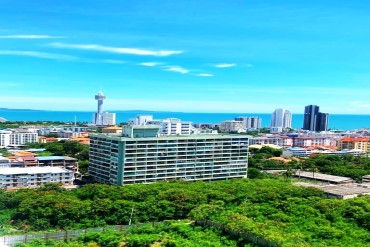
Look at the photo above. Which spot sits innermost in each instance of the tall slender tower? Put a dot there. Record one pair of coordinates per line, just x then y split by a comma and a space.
99, 114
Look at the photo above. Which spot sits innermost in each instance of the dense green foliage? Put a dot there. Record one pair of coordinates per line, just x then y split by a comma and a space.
4, 152
168, 234
258, 158
271, 208
68, 148
351, 166
17, 124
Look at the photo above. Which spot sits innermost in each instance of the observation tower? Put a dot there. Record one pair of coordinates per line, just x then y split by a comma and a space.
99, 114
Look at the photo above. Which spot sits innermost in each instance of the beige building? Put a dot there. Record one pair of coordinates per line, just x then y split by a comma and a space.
362, 143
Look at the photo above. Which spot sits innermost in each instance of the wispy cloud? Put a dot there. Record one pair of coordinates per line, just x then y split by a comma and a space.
204, 74
113, 61
150, 64
37, 54
225, 65
118, 50
30, 36
177, 69
360, 104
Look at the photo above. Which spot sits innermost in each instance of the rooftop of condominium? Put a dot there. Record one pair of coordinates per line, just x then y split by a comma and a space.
174, 137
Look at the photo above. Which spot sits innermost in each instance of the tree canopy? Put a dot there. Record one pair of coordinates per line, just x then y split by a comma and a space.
273, 209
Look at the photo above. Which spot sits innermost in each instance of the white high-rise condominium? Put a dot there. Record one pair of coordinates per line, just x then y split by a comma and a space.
281, 119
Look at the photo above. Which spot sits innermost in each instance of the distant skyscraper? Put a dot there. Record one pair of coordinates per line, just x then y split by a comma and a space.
280, 119
314, 120
100, 117
323, 120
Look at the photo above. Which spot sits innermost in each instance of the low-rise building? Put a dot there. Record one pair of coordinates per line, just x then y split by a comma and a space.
282, 141
339, 191
112, 130
362, 143
65, 162
232, 126
4, 162
16, 137
314, 141
324, 177
296, 152
33, 176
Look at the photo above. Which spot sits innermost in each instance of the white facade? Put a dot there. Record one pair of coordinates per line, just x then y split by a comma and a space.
314, 141
296, 152
169, 126
273, 140
232, 126
142, 120
109, 118
106, 118
280, 119
174, 126
5, 138
12, 138
17, 177
250, 123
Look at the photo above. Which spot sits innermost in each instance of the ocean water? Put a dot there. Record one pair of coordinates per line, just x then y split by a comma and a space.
336, 121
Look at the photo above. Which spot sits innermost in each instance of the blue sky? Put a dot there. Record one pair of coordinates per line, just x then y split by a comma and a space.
192, 56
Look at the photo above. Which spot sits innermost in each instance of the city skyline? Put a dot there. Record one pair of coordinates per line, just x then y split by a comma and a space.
185, 56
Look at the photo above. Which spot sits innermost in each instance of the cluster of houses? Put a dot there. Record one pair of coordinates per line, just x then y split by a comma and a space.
26, 168
310, 143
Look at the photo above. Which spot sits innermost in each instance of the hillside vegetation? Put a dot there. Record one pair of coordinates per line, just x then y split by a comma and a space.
270, 208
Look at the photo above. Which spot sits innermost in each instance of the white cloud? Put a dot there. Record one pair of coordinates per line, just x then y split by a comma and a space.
225, 65
119, 50
150, 64
38, 54
360, 104
204, 74
177, 69
113, 61
29, 36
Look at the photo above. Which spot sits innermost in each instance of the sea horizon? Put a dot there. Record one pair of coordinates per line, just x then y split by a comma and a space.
336, 121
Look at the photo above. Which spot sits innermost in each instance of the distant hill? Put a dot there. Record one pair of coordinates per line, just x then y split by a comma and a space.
117, 111
141, 111
7, 109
